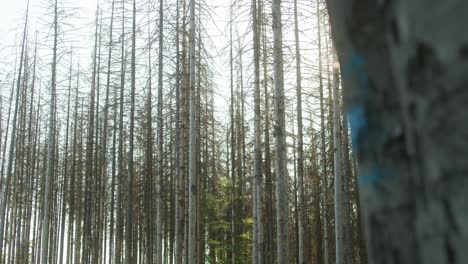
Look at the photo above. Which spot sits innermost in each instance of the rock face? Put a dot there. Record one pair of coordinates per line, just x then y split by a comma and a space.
405, 73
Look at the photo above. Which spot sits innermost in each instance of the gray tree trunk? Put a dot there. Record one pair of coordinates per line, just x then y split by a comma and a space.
280, 139
404, 73
339, 223
131, 171
232, 142
120, 157
159, 209
179, 192
149, 157
300, 145
323, 153
5, 187
259, 240
50, 146
192, 241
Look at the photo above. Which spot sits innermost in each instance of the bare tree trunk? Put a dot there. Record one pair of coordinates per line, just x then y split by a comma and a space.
324, 171
300, 145
88, 223
179, 224
280, 139
233, 175
269, 198
149, 159
339, 223
192, 252
159, 209
259, 244
72, 187
120, 179
65, 174
50, 146
347, 176
5, 187
131, 170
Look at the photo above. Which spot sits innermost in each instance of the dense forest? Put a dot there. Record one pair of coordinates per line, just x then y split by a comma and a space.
177, 131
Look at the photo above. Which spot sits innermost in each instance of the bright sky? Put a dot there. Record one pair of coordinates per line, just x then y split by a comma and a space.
12, 14
12, 19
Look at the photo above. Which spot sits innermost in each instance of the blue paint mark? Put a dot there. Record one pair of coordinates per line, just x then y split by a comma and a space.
375, 175
356, 67
366, 135
358, 123
357, 113
356, 61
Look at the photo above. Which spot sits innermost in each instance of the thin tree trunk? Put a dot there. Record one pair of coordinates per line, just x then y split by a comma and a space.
72, 187
149, 160
339, 225
269, 252
300, 145
259, 242
5, 187
233, 175
120, 179
324, 170
50, 146
64, 190
159, 208
192, 252
88, 223
179, 223
280, 139
131, 170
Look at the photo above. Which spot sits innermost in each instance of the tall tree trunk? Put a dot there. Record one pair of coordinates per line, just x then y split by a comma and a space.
192, 252
339, 223
347, 175
120, 179
65, 174
179, 223
73, 181
5, 187
103, 161
149, 159
259, 243
280, 139
300, 145
50, 146
232, 142
88, 223
323, 152
131, 170
159, 209
269, 198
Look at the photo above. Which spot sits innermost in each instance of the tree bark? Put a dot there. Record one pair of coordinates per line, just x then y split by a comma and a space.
159, 209
120, 158
280, 139
324, 171
339, 223
4, 188
131, 170
192, 241
50, 146
300, 144
405, 96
